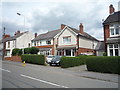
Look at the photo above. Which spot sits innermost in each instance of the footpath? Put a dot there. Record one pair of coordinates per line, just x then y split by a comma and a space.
82, 71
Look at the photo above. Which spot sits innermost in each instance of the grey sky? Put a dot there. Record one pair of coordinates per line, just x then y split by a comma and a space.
42, 16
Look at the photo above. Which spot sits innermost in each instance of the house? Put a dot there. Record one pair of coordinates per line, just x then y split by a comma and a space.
46, 42
100, 48
72, 42
112, 32
19, 40
66, 41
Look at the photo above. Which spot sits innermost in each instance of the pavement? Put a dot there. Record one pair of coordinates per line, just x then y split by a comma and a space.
37, 76
82, 70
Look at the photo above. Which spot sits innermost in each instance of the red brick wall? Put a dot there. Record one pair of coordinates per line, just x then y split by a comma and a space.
85, 50
106, 35
14, 58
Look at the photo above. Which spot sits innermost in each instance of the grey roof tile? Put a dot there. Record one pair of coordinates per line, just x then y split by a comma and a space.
115, 17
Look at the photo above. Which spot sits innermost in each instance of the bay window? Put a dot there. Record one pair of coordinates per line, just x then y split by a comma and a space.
113, 49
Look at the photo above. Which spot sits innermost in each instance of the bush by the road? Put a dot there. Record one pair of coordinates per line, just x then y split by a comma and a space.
16, 51
34, 59
105, 64
72, 61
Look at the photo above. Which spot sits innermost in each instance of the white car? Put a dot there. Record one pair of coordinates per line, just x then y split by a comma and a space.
49, 58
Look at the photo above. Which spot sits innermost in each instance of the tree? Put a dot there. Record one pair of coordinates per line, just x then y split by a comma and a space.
15, 51
34, 50
27, 50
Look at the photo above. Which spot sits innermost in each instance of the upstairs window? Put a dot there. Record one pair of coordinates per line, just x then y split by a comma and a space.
8, 44
48, 42
114, 30
67, 39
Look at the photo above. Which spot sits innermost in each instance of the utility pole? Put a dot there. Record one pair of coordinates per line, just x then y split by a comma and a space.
3, 41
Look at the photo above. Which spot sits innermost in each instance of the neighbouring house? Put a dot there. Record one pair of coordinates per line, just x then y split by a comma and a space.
46, 42
112, 32
73, 42
100, 48
66, 41
19, 40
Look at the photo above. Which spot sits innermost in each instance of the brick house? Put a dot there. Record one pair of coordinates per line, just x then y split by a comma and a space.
46, 42
19, 40
112, 32
66, 41
72, 42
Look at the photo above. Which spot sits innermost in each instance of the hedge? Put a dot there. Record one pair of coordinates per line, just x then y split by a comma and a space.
104, 64
34, 59
72, 61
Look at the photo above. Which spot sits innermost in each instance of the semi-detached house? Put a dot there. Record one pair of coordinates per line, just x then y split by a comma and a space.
66, 41
19, 40
112, 32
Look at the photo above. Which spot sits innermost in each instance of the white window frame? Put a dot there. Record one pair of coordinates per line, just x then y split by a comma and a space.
113, 48
67, 42
114, 28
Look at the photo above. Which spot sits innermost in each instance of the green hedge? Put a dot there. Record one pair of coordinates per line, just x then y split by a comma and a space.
72, 61
104, 64
35, 59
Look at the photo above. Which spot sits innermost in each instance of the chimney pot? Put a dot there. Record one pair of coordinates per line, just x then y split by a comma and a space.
111, 9
81, 28
35, 35
62, 26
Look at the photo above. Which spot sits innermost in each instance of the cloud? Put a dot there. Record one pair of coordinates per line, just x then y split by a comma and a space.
49, 15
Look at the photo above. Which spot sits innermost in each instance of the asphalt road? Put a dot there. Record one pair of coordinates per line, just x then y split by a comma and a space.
14, 75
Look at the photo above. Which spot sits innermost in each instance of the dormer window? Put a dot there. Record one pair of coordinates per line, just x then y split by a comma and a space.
114, 30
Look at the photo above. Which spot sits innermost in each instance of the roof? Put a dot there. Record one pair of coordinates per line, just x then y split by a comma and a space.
53, 33
100, 46
115, 17
48, 35
86, 35
113, 40
14, 37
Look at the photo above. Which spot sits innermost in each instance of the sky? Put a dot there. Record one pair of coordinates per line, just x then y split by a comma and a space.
45, 15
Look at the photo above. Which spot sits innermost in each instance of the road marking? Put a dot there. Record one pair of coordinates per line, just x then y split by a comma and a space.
43, 81
5, 70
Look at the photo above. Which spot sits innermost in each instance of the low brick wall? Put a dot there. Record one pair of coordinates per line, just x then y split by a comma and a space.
14, 58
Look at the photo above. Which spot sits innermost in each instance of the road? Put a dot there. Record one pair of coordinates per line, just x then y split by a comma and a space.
14, 75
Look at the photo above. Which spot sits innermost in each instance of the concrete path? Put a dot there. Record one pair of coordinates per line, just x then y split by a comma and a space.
82, 70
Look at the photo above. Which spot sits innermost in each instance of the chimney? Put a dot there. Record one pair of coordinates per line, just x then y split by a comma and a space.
81, 28
17, 32
62, 26
35, 35
111, 9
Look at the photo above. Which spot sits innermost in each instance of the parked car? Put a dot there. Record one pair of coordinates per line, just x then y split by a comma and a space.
55, 61
49, 58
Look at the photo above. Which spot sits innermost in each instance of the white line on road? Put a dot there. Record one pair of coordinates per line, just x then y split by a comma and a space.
43, 81
5, 70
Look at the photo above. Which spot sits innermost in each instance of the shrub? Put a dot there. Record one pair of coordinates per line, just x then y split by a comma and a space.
34, 50
104, 54
16, 51
72, 61
105, 64
35, 59
27, 50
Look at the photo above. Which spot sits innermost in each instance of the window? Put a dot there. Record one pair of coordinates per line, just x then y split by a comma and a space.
7, 53
114, 50
67, 39
114, 30
48, 42
8, 44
